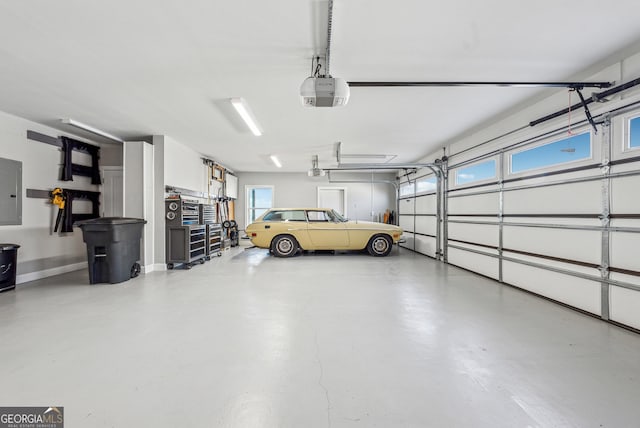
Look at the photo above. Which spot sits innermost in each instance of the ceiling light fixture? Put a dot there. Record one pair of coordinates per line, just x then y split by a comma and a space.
275, 161
245, 113
91, 129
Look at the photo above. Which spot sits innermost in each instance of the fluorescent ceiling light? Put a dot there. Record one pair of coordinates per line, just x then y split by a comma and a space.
275, 161
244, 111
91, 129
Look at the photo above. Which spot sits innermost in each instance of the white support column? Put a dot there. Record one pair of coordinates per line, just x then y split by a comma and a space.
159, 255
139, 194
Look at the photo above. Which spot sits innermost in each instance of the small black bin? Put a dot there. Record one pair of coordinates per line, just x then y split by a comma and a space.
113, 248
8, 261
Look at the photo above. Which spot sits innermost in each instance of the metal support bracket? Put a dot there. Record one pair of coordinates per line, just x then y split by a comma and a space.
605, 219
501, 218
444, 215
586, 110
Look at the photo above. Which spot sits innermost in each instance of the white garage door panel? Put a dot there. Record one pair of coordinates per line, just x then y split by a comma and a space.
406, 222
484, 265
406, 206
624, 250
426, 204
629, 279
624, 304
426, 245
409, 240
577, 198
576, 292
621, 188
579, 245
475, 233
477, 204
426, 225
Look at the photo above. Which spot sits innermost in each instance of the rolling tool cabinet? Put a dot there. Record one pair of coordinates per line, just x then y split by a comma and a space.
186, 238
214, 240
186, 244
208, 218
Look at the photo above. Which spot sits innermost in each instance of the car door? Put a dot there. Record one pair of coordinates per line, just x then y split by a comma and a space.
326, 234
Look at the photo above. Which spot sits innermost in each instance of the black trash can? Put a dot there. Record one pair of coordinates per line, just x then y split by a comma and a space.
8, 262
113, 248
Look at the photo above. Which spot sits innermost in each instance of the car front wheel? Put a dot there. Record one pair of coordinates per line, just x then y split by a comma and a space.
379, 246
284, 246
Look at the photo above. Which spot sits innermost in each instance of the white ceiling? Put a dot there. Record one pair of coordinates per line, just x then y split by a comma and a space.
141, 67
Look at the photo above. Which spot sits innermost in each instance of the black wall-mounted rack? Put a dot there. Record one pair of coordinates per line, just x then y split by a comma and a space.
69, 169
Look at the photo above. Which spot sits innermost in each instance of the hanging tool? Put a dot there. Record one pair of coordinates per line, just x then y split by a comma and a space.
58, 198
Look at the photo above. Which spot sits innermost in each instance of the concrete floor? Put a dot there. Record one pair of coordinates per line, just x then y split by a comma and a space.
248, 340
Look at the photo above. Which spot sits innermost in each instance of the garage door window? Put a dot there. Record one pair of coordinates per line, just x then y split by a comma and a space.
478, 172
407, 189
634, 132
571, 149
259, 200
426, 184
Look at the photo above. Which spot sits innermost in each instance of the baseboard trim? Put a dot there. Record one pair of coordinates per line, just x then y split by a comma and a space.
34, 276
150, 268
159, 267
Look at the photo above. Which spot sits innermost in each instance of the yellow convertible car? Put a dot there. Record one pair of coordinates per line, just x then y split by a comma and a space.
284, 231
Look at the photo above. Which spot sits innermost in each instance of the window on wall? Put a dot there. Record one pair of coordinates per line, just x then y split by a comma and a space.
634, 132
476, 172
407, 189
259, 200
570, 149
427, 184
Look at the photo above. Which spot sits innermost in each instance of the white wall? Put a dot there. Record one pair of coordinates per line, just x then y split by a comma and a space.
111, 155
177, 165
42, 253
300, 190
183, 167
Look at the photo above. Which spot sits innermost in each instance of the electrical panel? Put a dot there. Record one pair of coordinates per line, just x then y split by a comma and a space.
10, 192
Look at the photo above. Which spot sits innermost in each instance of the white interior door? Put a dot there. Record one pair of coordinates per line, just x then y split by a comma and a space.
333, 197
112, 192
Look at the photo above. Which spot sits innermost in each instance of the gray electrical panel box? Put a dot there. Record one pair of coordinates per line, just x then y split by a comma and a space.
10, 192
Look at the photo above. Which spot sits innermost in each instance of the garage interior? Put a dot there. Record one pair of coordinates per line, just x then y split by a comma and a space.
504, 140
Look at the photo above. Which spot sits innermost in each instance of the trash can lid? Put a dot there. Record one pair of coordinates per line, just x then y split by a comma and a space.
111, 220
7, 247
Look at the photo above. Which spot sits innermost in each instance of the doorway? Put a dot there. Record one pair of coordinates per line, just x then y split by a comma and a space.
112, 192
333, 197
